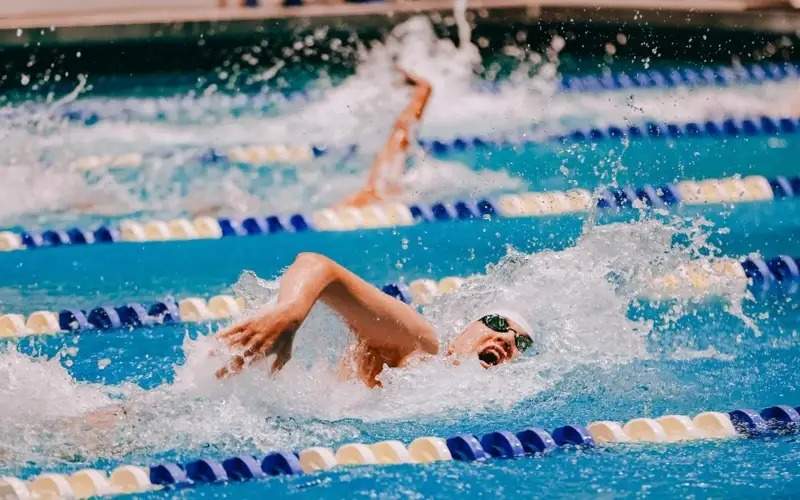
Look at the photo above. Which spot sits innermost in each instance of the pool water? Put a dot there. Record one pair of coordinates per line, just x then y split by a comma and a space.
604, 353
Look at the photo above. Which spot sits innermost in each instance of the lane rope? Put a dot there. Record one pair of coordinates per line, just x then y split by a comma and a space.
655, 78
267, 155
763, 125
467, 447
755, 73
247, 154
729, 190
693, 279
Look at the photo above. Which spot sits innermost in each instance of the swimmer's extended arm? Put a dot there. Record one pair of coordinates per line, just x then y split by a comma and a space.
387, 329
389, 163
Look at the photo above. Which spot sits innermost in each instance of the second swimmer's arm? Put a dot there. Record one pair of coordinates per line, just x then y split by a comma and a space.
391, 158
389, 328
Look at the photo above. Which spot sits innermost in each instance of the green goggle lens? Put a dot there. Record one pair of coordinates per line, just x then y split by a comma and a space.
523, 342
496, 323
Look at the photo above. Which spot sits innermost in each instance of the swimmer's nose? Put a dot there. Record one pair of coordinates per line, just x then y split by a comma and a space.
505, 344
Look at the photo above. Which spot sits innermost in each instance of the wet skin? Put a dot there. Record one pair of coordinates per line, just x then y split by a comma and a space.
387, 332
493, 347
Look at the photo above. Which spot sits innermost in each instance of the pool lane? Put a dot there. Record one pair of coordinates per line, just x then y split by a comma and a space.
83, 276
646, 161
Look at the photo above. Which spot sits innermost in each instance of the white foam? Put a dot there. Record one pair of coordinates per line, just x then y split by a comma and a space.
49, 391
38, 396
359, 110
687, 354
576, 301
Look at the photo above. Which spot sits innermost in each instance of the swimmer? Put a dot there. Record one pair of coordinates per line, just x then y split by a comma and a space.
386, 172
387, 331
388, 166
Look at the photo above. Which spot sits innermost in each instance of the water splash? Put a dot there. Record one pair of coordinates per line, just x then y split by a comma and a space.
359, 110
577, 300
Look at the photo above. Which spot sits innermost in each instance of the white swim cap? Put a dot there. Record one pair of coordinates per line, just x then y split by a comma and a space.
509, 314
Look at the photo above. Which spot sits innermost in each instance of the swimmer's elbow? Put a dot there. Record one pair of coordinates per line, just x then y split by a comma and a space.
418, 80
312, 260
316, 264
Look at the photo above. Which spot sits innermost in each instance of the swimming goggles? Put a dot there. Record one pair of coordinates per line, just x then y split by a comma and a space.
500, 325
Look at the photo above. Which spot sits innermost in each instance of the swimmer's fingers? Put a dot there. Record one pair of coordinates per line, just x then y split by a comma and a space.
283, 353
233, 367
245, 336
248, 334
241, 339
260, 346
278, 364
238, 363
404, 74
233, 330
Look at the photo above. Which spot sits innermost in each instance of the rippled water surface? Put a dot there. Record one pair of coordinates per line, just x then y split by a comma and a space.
603, 351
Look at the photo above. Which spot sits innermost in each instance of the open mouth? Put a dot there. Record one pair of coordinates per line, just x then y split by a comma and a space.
490, 356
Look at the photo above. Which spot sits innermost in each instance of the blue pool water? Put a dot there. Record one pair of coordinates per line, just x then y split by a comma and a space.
605, 354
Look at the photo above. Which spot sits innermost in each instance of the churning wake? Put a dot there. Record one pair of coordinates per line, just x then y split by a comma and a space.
577, 301
176, 131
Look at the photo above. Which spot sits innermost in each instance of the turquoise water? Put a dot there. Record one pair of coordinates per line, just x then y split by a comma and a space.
687, 356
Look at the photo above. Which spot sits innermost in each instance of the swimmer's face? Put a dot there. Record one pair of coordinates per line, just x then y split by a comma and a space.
492, 347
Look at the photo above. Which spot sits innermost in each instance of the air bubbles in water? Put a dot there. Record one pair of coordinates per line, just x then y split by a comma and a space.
577, 301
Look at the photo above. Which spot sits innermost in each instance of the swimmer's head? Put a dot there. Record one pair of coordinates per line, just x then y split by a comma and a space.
495, 338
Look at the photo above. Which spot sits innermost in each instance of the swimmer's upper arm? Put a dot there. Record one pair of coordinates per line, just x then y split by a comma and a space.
383, 322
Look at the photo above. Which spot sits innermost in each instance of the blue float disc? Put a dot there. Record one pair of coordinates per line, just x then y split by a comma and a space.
502, 444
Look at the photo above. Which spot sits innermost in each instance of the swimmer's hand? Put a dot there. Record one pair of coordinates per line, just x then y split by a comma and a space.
366, 196
409, 78
269, 333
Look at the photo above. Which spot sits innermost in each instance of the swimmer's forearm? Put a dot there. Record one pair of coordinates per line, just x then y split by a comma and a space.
422, 93
273, 331
387, 167
419, 101
400, 138
314, 277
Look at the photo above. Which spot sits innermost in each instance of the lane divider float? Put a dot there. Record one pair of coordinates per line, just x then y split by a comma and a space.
253, 155
666, 77
713, 129
502, 444
130, 315
267, 154
92, 111
692, 279
755, 73
730, 190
